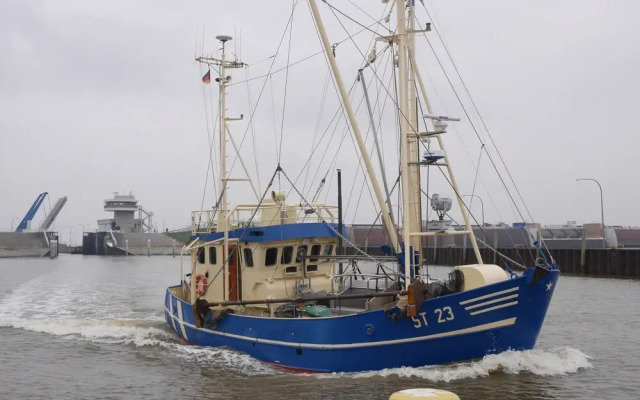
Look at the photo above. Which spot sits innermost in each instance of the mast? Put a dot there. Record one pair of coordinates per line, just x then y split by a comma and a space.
401, 37
222, 79
414, 143
410, 113
354, 126
223, 207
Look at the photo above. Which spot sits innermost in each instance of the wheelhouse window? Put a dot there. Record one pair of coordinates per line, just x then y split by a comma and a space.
312, 268
302, 251
248, 257
212, 255
287, 255
271, 257
315, 251
200, 255
328, 250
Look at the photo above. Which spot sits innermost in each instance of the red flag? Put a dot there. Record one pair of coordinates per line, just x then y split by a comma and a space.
207, 77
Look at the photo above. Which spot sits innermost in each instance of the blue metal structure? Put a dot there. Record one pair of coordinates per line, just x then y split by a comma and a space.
32, 212
277, 232
466, 325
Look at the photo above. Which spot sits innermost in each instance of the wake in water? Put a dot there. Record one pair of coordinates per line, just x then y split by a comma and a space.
543, 362
106, 314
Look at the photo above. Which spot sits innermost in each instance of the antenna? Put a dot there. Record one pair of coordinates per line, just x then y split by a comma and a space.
224, 38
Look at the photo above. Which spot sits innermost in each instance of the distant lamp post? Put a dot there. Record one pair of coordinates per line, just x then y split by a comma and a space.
604, 242
481, 203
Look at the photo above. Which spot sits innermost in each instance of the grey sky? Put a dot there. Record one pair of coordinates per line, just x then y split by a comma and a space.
97, 97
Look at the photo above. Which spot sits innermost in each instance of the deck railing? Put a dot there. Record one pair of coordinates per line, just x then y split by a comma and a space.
266, 214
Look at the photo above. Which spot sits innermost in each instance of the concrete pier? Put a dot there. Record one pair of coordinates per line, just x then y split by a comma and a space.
23, 244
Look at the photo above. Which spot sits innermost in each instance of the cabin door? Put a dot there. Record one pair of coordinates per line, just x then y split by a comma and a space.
234, 275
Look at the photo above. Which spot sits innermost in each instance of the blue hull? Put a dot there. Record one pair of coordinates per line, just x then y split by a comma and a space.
461, 326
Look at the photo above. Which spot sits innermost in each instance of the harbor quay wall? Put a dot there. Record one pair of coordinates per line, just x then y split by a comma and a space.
577, 250
23, 244
134, 244
623, 263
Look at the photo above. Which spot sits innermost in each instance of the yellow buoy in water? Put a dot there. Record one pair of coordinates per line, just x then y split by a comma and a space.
424, 394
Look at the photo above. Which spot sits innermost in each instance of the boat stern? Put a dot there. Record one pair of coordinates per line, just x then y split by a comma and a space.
178, 312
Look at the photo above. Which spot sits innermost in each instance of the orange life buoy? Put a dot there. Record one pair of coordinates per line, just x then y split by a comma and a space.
201, 284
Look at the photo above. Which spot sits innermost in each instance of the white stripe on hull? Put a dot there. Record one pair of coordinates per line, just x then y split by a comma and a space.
486, 296
173, 321
473, 329
486, 303
181, 322
513, 303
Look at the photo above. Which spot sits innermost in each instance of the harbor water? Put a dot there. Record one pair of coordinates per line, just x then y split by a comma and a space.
80, 327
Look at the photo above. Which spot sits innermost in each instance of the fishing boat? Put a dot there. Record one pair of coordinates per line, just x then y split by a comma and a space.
271, 279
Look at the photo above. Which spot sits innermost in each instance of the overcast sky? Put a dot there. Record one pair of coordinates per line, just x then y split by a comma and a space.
99, 97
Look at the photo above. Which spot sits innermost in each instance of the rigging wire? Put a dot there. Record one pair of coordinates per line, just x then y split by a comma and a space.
341, 109
253, 131
360, 156
317, 129
211, 140
376, 104
458, 195
462, 142
317, 53
334, 161
476, 131
350, 37
253, 111
270, 73
485, 128
356, 22
455, 92
330, 226
286, 82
